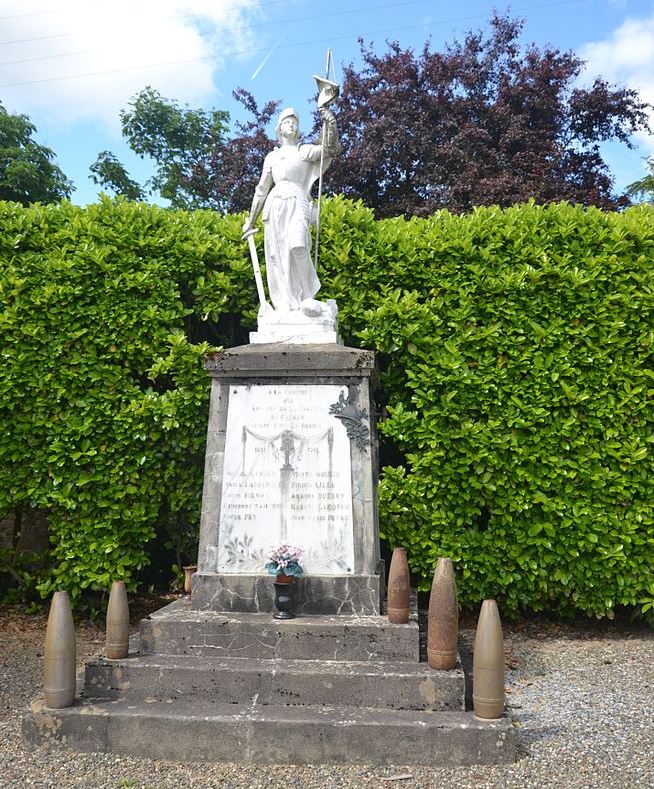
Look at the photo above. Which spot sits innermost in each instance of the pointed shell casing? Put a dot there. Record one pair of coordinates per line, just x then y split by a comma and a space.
117, 639
60, 654
399, 589
443, 619
488, 663
189, 571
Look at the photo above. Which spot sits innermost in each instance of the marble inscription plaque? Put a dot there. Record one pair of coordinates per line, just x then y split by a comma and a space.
286, 478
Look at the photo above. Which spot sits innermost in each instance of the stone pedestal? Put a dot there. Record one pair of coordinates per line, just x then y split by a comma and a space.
291, 457
291, 454
241, 687
296, 328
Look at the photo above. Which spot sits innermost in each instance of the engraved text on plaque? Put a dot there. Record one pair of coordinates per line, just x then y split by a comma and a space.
286, 478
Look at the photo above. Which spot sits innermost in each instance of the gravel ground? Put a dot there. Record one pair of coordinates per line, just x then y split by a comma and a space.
582, 698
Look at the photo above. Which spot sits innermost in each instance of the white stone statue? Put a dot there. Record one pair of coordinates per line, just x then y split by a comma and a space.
283, 197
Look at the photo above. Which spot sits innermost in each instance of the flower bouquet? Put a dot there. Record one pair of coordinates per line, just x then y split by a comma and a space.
284, 560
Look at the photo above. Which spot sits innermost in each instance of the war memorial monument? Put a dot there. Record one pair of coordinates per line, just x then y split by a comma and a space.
291, 458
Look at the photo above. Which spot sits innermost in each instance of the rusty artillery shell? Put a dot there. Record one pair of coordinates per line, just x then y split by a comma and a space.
488, 663
117, 639
443, 620
189, 570
59, 675
399, 589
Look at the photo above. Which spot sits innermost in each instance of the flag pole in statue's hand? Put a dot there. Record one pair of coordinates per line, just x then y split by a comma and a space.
327, 93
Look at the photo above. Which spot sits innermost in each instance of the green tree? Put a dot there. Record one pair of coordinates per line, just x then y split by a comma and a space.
175, 137
199, 162
644, 187
107, 171
27, 172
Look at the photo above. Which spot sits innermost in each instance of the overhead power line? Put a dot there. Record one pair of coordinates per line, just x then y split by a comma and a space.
41, 13
205, 15
235, 7
230, 30
258, 50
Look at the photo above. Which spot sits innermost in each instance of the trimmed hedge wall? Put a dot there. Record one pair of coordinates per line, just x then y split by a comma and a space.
516, 348
103, 396
522, 378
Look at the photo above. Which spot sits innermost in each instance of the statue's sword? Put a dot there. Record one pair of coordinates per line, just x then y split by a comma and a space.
264, 306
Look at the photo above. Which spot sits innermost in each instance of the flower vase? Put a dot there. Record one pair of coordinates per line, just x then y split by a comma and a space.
284, 597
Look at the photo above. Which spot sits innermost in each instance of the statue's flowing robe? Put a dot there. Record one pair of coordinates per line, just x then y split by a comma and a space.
287, 216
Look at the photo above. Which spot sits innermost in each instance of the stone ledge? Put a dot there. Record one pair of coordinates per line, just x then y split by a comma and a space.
384, 685
358, 595
179, 629
276, 360
251, 734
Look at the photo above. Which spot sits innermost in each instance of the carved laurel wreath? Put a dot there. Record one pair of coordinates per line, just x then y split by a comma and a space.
352, 418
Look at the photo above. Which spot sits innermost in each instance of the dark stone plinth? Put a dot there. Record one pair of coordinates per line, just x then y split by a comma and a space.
327, 594
178, 629
291, 362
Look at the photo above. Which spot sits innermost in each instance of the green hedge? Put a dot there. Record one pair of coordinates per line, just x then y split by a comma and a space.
516, 348
520, 346
103, 397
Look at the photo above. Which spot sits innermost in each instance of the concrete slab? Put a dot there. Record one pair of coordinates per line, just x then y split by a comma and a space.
386, 685
195, 730
178, 629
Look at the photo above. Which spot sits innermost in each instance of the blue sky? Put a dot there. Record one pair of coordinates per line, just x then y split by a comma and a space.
71, 65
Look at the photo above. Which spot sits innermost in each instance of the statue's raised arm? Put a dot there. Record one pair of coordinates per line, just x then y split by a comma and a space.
283, 198
329, 136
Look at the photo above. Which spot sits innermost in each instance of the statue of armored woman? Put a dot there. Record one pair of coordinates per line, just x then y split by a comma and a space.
283, 198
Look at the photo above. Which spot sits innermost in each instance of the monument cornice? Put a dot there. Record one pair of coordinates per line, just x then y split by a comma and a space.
290, 360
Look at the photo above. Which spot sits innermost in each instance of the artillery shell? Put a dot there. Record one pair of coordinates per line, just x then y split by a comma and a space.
399, 590
59, 675
443, 618
488, 663
117, 639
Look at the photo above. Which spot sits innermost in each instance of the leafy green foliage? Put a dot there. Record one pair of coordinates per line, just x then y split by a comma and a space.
109, 172
516, 354
200, 162
518, 350
103, 394
644, 187
27, 174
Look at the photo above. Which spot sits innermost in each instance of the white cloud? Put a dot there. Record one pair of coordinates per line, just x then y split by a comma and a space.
627, 57
177, 46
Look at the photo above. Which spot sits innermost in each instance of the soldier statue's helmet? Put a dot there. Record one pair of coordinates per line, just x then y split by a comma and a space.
289, 112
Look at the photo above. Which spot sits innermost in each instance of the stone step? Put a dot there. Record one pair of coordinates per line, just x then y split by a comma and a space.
177, 629
394, 685
198, 730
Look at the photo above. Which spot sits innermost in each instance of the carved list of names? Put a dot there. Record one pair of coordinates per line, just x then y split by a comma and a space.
286, 478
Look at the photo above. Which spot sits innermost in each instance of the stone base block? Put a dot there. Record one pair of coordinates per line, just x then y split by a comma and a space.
385, 685
315, 322
178, 629
358, 595
294, 335
197, 730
